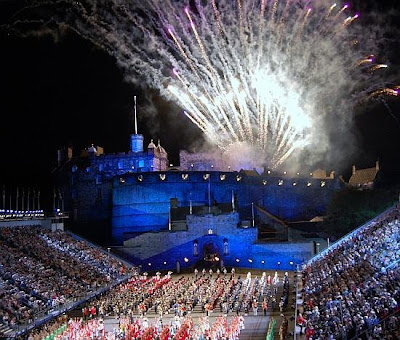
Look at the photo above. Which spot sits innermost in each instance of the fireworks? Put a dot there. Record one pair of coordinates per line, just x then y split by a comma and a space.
260, 73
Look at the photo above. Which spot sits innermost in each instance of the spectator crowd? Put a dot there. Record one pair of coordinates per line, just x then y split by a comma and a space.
41, 270
353, 291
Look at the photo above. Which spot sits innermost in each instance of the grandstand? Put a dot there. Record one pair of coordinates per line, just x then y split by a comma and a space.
46, 273
349, 291
43, 273
352, 290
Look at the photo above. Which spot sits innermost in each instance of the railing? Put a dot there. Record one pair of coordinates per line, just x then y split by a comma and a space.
296, 282
358, 335
390, 265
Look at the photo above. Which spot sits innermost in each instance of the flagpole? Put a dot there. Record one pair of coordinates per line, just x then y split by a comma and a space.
54, 199
209, 194
135, 116
16, 200
33, 199
252, 212
23, 199
4, 197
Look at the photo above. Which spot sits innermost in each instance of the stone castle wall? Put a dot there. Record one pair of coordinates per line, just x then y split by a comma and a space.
141, 202
235, 246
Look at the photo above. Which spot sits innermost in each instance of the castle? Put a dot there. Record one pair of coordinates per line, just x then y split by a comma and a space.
203, 209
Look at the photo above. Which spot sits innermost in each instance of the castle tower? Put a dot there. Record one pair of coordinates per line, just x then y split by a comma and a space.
136, 143
136, 139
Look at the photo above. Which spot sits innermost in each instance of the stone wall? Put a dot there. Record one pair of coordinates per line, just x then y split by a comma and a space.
141, 202
234, 246
202, 161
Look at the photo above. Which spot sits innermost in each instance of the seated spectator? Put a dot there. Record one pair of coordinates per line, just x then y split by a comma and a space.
357, 283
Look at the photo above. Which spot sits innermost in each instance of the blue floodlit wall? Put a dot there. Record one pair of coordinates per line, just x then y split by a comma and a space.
275, 256
141, 202
235, 247
302, 201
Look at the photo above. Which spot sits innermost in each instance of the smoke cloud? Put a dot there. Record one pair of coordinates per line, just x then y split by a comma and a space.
271, 82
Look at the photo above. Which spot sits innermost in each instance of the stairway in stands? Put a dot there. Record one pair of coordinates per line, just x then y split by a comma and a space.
5, 331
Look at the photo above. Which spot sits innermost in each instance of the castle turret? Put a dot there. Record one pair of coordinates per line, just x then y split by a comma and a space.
136, 143
151, 147
92, 151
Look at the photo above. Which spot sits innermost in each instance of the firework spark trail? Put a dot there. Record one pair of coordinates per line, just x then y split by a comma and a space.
255, 72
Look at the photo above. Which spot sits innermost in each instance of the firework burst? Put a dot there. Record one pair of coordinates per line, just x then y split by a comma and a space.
260, 73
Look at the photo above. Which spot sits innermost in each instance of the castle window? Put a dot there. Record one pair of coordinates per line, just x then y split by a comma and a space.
101, 166
226, 247
141, 163
99, 193
88, 169
120, 165
74, 168
98, 179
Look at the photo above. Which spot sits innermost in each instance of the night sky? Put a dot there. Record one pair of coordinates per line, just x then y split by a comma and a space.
69, 92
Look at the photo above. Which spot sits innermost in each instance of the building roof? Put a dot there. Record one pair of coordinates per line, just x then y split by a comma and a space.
151, 145
250, 173
160, 149
363, 176
92, 149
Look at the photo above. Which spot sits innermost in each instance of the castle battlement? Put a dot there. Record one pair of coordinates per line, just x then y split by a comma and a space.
222, 177
137, 191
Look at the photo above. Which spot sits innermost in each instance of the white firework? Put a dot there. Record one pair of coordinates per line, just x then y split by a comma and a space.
254, 72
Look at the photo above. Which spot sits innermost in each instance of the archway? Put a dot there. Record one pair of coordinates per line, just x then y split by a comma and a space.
210, 252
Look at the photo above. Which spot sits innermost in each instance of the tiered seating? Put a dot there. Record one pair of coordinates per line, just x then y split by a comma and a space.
356, 284
41, 270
